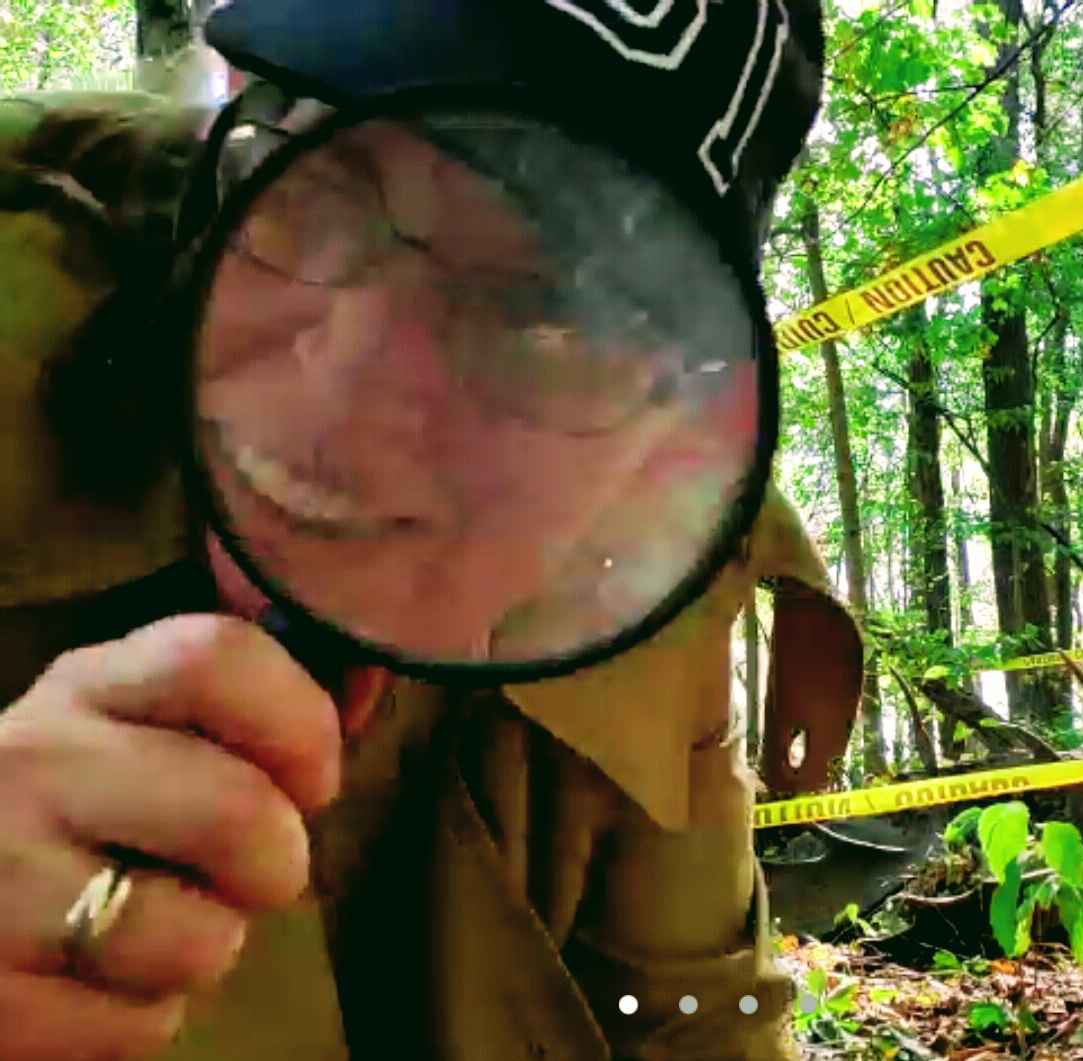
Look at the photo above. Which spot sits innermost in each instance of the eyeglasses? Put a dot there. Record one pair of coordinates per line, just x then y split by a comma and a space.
512, 327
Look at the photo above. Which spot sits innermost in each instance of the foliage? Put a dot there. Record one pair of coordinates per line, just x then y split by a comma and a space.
1034, 870
831, 1017
898, 163
960, 1008
56, 44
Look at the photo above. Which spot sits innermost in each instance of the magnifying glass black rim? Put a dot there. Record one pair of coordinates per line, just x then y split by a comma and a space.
191, 300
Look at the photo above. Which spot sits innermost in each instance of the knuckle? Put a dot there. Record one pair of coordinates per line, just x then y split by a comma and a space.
63, 680
195, 646
233, 814
199, 644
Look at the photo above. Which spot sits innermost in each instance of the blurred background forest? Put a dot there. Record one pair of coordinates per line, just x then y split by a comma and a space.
937, 457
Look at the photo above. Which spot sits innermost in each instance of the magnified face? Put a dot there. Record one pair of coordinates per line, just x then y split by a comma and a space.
471, 390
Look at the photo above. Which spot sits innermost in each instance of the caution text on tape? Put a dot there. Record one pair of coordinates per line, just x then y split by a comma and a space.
982, 250
909, 795
1044, 659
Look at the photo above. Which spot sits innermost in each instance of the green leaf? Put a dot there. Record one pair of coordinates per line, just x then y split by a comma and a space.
1003, 909
987, 1015
1043, 893
962, 828
1070, 905
843, 999
1062, 848
1024, 917
816, 982
883, 994
937, 673
1003, 829
944, 959
1025, 1020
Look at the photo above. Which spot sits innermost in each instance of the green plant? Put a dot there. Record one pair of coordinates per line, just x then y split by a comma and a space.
850, 915
946, 964
831, 1019
1054, 856
997, 1020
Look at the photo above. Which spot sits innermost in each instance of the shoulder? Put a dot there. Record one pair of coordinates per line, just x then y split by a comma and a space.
68, 184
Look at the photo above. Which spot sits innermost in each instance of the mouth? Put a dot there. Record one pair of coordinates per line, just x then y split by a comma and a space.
307, 506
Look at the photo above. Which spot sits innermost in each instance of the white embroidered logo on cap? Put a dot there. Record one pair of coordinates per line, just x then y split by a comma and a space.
664, 36
612, 18
757, 80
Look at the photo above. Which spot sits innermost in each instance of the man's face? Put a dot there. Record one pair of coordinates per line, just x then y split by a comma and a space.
408, 446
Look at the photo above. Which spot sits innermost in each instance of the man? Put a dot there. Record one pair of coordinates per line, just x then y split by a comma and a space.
498, 872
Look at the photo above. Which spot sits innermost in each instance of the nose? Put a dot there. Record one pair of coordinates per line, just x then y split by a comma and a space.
378, 347
347, 338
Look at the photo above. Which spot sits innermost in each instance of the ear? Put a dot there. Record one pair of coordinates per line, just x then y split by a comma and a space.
814, 685
816, 668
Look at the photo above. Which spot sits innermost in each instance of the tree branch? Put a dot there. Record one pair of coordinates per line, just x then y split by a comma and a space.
993, 76
922, 740
947, 414
966, 707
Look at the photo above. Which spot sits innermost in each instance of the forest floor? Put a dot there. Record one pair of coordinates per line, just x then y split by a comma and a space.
857, 1007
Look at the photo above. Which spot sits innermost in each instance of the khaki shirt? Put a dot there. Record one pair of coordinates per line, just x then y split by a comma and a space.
500, 869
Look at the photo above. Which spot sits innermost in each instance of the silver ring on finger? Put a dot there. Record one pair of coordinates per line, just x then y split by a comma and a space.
96, 909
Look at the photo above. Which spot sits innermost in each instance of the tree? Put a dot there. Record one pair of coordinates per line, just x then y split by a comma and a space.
928, 533
872, 723
1008, 378
62, 44
900, 162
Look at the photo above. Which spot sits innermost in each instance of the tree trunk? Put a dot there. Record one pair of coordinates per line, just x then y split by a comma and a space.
962, 557
1008, 377
875, 758
929, 534
1057, 510
1057, 409
752, 677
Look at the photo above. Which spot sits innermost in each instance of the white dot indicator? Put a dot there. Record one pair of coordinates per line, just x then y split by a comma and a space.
748, 1005
808, 1003
688, 1004
628, 1004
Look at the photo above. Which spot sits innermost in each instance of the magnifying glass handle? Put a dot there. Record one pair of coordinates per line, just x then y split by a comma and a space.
316, 651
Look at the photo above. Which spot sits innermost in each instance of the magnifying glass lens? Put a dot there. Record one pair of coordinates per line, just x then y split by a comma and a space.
471, 390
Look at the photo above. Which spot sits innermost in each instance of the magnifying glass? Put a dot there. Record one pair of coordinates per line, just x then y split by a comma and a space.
472, 394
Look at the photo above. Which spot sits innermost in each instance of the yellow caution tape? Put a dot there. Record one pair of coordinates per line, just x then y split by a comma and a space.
1045, 659
982, 250
932, 792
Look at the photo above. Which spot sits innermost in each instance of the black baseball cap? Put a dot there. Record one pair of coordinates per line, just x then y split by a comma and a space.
722, 92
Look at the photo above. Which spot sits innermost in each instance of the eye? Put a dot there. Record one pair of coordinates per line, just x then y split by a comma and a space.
308, 231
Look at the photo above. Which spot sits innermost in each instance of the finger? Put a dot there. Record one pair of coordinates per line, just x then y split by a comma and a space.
54, 1019
182, 800
170, 937
228, 680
